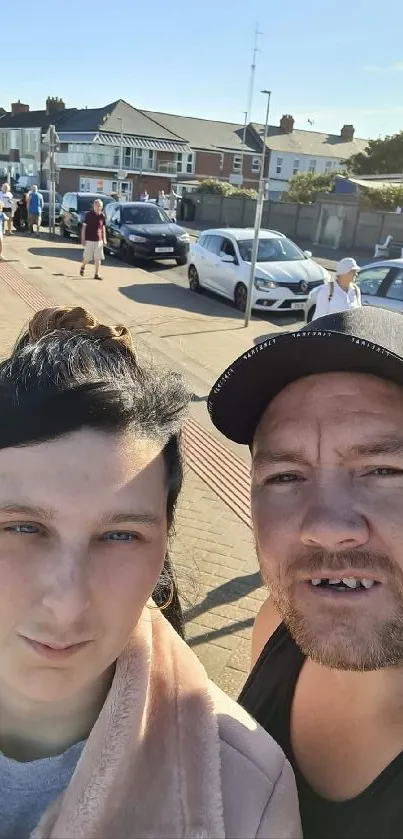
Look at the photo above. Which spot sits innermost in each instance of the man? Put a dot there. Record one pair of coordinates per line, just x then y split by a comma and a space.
340, 294
3, 218
6, 198
322, 412
172, 204
35, 205
93, 238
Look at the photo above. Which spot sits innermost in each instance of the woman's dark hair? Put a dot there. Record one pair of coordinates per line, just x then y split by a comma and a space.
68, 372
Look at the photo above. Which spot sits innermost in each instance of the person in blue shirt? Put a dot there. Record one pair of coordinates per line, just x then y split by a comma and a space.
3, 218
35, 204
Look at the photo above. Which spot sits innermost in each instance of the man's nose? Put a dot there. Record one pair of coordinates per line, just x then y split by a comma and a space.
331, 522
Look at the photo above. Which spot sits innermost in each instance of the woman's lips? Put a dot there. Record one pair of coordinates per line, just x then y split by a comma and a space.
54, 651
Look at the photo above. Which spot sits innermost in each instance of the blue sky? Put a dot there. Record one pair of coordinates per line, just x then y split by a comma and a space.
333, 63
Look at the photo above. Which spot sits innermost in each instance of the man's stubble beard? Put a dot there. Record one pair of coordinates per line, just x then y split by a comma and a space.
345, 641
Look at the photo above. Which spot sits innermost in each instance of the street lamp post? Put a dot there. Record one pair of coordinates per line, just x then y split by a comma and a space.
258, 216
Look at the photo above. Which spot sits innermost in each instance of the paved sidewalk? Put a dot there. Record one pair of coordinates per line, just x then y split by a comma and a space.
213, 548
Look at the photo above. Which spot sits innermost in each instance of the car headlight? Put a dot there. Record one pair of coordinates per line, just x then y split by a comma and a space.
134, 238
184, 237
260, 283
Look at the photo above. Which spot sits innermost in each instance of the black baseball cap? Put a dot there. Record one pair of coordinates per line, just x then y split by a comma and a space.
364, 340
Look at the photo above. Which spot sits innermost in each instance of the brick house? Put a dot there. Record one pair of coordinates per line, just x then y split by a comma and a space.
219, 150
117, 148
21, 136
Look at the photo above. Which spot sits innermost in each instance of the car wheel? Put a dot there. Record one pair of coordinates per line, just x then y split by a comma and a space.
181, 260
63, 232
310, 314
194, 282
240, 297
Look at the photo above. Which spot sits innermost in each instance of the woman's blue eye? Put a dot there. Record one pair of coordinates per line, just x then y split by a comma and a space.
119, 536
22, 529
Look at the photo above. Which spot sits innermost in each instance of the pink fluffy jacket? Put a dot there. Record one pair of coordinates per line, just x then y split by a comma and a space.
171, 756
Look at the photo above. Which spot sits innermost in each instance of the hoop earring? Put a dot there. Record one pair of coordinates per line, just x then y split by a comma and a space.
168, 602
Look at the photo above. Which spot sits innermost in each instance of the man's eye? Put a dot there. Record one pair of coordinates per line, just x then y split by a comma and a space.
283, 478
22, 529
119, 536
385, 472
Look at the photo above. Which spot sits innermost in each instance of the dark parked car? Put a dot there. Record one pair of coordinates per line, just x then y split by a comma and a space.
141, 230
74, 207
45, 208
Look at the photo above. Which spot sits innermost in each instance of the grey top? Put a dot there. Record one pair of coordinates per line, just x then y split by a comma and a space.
27, 789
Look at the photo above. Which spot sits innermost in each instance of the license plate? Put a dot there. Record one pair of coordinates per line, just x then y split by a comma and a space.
164, 250
296, 306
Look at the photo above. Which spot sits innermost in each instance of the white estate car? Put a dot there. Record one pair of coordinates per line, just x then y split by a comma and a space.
380, 283
220, 261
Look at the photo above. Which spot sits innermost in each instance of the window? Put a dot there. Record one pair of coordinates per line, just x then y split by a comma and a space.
227, 248
115, 216
116, 157
279, 166
213, 244
146, 214
221, 161
109, 210
189, 163
127, 158
370, 280
328, 166
271, 250
395, 290
179, 157
184, 162
295, 167
312, 167
256, 165
4, 143
237, 163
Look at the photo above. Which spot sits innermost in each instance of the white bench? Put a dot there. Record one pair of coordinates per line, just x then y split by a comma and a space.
387, 248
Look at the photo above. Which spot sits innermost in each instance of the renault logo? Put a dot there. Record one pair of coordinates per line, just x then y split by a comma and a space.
303, 286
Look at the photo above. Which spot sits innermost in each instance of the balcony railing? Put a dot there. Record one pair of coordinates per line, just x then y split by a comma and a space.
111, 161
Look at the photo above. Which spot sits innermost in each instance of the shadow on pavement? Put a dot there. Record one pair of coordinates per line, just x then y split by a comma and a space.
229, 592
75, 254
213, 634
171, 296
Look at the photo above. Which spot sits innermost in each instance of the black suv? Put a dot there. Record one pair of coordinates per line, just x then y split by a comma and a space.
74, 207
141, 230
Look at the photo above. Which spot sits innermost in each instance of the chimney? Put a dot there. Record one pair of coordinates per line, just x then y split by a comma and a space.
347, 133
287, 123
19, 108
54, 105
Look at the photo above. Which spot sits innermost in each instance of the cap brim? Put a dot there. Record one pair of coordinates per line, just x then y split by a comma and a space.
240, 396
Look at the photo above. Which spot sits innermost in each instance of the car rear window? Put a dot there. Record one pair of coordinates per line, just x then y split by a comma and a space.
85, 202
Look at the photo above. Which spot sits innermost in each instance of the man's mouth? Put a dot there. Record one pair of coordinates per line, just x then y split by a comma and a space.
347, 584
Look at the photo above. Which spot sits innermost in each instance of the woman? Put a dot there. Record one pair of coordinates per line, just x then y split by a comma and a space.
109, 726
7, 198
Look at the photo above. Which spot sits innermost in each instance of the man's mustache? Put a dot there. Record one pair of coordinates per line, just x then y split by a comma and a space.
312, 562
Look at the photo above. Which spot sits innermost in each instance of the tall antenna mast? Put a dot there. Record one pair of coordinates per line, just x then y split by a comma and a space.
250, 90
252, 72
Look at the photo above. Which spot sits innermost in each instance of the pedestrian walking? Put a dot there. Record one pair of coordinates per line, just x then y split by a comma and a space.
340, 294
6, 197
161, 200
172, 204
93, 238
322, 412
3, 219
35, 206
109, 726
144, 196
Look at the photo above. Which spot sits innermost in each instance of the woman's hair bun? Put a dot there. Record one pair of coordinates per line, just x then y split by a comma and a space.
76, 319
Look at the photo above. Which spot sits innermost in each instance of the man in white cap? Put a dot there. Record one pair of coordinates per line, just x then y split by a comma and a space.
340, 294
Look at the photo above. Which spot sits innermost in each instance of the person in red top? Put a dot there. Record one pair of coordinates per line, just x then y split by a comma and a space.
93, 238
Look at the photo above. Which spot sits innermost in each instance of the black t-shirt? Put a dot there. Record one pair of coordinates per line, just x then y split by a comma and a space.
377, 813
